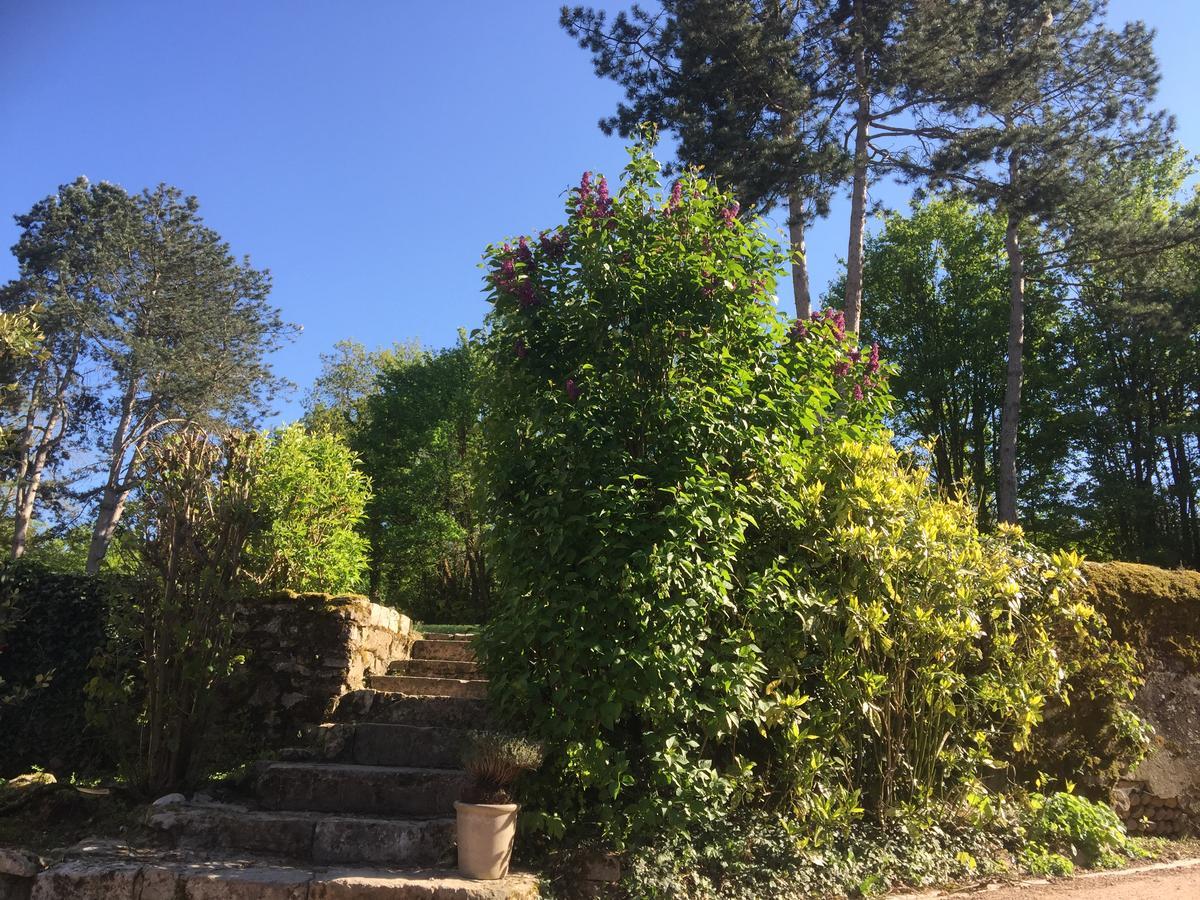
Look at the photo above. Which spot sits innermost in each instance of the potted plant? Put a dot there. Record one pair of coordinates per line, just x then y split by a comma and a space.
487, 815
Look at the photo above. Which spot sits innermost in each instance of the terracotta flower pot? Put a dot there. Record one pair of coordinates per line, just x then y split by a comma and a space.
485, 838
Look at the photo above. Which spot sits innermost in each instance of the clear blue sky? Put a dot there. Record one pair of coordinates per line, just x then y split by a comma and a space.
364, 151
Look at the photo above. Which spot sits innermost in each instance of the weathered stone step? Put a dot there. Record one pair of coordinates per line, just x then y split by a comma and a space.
399, 709
379, 744
348, 788
420, 686
465, 637
303, 835
453, 650
435, 668
241, 879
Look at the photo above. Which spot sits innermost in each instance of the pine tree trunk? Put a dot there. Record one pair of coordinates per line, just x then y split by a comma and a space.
796, 227
34, 452
108, 516
116, 490
27, 493
858, 192
1006, 494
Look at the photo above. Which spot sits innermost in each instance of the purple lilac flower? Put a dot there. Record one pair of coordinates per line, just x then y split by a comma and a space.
572, 389
527, 294
603, 203
873, 364
855, 355
799, 329
730, 213
858, 392
554, 245
841, 369
524, 254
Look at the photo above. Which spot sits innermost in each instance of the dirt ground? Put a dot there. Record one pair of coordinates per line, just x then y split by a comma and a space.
1168, 881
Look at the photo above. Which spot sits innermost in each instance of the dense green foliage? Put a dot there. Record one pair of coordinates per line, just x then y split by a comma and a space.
718, 583
412, 416
50, 627
154, 691
1062, 829
217, 518
310, 497
420, 442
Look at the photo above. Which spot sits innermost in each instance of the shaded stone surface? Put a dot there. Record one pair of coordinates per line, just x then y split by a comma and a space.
332, 787
383, 841
435, 668
380, 744
305, 651
474, 689
460, 651
402, 709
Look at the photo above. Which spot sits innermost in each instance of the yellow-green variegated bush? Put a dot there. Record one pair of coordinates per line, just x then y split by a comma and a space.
718, 586
909, 655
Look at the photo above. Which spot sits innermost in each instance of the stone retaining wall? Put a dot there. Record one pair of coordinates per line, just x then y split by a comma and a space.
303, 651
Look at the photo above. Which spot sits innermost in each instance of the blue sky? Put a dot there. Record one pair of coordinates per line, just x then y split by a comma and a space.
365, 152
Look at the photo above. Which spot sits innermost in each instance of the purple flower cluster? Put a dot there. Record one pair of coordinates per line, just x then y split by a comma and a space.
676, 199
572, 390
602, 207
507, 279
554, 244
603, 202
730, 214
873, 363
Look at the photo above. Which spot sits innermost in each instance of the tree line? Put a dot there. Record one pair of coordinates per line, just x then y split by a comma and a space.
1020, 105
147, 322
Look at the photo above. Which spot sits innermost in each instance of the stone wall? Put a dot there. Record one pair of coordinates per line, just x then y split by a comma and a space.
303, 651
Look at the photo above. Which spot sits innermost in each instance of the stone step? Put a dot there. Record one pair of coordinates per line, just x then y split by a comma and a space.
400, 709
453, 650
420, 686
435, 668
349, 788
464, 637
380, 744
205, 878
298, 834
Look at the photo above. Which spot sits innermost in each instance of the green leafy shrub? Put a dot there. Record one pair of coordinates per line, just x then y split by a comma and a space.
1092, 734
154, 691
1068, 828
310, 498
51, 625
719, 586
751, 857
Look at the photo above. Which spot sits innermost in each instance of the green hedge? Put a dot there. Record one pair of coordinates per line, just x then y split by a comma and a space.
50, 624
1156, 610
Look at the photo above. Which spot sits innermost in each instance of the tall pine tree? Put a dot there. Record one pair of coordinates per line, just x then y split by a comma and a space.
1033, 94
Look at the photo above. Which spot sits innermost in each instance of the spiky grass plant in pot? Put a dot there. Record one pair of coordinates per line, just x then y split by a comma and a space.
487, 815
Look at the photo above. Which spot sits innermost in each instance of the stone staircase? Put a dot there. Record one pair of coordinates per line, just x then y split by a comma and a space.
375, 787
